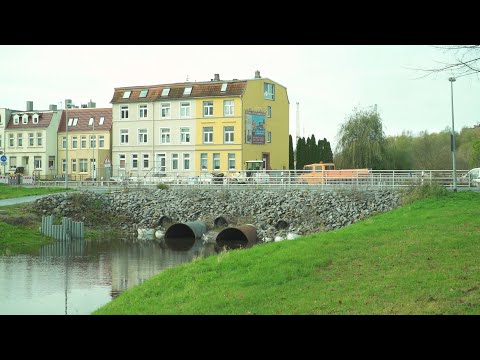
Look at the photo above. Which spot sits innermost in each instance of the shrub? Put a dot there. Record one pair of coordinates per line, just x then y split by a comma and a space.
424, 191
162, 186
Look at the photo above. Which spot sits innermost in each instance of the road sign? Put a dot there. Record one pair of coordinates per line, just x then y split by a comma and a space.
3, 158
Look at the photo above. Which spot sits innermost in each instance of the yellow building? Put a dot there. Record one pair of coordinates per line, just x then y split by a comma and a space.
192, 127
89, 143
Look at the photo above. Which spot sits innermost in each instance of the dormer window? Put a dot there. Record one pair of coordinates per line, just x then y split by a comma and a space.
224, 87
16, 119
165, 91
187, 91
102, 120
126, 94
143, 93
90, 122
35, 118
75, 121
25, 119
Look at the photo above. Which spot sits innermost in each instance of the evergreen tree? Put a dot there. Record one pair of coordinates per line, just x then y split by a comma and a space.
290, 153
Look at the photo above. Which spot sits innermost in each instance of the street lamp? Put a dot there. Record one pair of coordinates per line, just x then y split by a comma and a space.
452, 79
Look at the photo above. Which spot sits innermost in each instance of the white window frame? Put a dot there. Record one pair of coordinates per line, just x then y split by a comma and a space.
185, 109
134, 161
124, 112
185, 135
143, 111
268, 91
166, 110
83, 166
126, 94
174, 161
165, 136
147, 158
269, 111
214, 160
165, 91
122, 158
186, 161
74, 165
93, 141
187, 91
35, 119
269, 136
64, 166
74, 142
204, 161
208, 108
124, 136
143, 136
83, 141
11, 140
91, 121
16, 119
31, 139
143, 93
207, 135
102, 120
20, 139
231, 158
101, 141
228, 108
24, 119
228, 135
64, 142
75, 121
37, 162
39, 139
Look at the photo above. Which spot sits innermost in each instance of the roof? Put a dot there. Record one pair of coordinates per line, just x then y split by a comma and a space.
203, 89
84, 115
44, 119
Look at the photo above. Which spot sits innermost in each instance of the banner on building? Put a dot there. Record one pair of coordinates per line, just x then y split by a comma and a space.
255, 127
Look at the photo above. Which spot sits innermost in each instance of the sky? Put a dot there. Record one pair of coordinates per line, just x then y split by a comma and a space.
328, 81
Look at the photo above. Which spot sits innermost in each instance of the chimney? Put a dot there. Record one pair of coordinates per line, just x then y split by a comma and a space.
257, 75
29, 105
52, 107
216, 77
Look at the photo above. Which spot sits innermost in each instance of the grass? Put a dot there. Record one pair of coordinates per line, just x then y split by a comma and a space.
418, 259
11, 191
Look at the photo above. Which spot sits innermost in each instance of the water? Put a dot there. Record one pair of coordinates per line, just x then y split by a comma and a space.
79, 277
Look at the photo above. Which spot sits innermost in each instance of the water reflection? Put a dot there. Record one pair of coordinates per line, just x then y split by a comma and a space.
78, 277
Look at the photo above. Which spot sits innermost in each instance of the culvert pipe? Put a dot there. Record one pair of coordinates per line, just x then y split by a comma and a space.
281, 224
237, 237
182, 236
164, 221
221, 220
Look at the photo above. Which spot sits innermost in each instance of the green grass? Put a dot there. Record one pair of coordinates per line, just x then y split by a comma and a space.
12, 191
422, 258
19, 233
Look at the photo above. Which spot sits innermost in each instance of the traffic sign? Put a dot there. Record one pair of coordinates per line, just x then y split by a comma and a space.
3, 158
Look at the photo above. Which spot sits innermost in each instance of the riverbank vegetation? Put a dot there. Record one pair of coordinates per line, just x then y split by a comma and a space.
418, 259
12, 191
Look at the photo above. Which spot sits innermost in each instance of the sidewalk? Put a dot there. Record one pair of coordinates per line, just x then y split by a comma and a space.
24, 199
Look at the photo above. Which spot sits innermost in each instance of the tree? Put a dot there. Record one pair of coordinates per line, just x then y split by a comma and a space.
291, 156
361, 141
301, 153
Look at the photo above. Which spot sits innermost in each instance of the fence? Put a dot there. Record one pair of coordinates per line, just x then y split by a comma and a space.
68, 230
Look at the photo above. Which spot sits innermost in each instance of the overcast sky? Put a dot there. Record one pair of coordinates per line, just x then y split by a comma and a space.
327, 81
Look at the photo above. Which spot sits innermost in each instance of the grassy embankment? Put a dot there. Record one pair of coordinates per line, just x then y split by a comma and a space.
19, 227
418, 259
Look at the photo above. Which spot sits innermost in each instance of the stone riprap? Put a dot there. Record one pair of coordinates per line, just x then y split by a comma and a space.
305, 211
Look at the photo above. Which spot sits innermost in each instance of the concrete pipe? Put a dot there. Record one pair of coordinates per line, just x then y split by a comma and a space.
221, 220
237, 237
281, 224
164, 221
181, 236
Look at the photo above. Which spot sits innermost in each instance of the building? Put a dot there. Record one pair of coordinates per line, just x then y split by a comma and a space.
89, 143
191, 127
30, 140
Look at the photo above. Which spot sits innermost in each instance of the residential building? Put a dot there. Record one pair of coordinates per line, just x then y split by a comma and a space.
192, 127
88, 141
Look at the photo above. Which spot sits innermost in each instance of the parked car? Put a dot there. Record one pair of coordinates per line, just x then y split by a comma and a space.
472, 177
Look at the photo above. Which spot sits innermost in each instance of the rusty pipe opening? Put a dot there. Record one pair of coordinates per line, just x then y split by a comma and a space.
237, 237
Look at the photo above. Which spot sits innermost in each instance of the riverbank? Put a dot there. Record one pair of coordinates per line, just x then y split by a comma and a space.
421, 258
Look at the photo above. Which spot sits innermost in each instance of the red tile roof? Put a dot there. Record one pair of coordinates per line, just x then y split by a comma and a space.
204, 89
43, 120
84, 116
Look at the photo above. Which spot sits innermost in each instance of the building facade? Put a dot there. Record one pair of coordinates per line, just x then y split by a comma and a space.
196, 127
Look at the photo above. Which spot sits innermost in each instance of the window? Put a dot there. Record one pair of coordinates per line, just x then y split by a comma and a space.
15, 119
208, 108
126, 94
165, 136
124, 112
165, 110
74, 142
134, 161
31, 140
123, 136
0, 119
11, 140
101, 141
216, 161
74, 165
102, 120
269, 136
187, 91
174, 161
231, 161
13, 161
143, 93
20, 139
25, 119
185, 109
70, 121
269, 91
64, 142
185, 135
93, 141
142, 136
75, 121
228, 134
186, 161
145, 161
51, 162
165, 91
121, 158
37, 162
143, 111
227, 107
35, 118
90, 121
203, 161
208, 135
39, 139
269, 111
83, 141
64, 166
83, 165
224, 87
